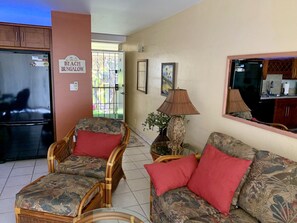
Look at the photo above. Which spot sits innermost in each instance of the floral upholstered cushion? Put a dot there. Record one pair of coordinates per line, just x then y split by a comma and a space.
181, 205
83, 166
270, 192
59, 194
232, 147
104, 125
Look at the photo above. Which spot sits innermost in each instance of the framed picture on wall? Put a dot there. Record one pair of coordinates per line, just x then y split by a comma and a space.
142, 75
167, 77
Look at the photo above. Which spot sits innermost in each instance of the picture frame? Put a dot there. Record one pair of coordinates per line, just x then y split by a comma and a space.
142, 75
167, 77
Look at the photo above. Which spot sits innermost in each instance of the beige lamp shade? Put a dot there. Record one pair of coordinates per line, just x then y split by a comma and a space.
235, 103
178, 103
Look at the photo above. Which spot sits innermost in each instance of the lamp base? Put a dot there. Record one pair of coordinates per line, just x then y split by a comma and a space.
176, 134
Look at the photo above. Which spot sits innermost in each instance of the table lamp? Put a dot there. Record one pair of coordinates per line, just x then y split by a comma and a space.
176, 105
235, 103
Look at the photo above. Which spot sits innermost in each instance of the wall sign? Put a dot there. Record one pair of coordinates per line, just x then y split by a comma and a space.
72, 64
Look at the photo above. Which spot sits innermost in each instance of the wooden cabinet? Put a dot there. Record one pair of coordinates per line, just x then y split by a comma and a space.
9, 36
24, 37
285, 112
286, 67
35, 37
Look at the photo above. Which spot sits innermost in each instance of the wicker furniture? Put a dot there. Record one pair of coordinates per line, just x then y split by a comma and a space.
107, 172
110, 215
267, 192
54, 199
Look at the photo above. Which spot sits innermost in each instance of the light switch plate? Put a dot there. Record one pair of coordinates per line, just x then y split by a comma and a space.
74, 86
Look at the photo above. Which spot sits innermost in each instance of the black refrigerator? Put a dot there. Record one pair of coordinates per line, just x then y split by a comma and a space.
26, 121
246, 75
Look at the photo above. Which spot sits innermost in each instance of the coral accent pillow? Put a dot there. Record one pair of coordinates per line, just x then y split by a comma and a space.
217, 176
96, 144
171, 175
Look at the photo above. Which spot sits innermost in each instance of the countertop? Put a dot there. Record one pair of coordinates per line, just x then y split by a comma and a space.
267, 96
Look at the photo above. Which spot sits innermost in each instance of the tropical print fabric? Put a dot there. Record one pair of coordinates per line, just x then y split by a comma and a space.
236, 148
59, 194
270, 192
84, 166
103, 125
181, 205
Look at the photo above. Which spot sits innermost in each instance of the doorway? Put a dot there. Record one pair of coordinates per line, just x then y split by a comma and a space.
108, 84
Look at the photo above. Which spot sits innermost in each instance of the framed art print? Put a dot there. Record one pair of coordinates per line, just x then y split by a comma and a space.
142, 75
167, 77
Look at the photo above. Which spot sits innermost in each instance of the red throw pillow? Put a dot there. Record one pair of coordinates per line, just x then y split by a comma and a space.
217, 177
171, 175
96, 144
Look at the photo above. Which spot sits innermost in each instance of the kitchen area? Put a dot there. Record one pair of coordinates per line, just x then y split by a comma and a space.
268, 87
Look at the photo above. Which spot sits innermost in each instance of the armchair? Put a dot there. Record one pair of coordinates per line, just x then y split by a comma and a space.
108, 171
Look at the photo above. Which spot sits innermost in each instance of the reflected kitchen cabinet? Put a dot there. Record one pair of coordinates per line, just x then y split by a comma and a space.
285, 111
287, 67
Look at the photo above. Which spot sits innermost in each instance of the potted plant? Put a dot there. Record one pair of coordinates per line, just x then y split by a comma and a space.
160, 120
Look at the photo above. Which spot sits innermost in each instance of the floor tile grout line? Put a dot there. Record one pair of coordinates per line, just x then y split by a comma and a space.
7, 179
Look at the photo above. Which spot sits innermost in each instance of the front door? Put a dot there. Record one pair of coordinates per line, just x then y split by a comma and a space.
108, 79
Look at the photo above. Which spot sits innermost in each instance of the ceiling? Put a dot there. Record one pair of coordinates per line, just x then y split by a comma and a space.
117, 17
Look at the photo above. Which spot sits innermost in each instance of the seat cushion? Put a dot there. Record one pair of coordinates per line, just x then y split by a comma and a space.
182, 205
270, 192
83, 166
59, 194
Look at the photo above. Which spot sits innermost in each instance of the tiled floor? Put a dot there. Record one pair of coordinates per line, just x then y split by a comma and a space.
132, 193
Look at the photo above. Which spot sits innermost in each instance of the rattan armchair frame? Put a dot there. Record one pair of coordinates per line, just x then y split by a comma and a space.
61, 149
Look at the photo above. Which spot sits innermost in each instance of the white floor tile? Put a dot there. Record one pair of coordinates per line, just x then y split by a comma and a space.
10, 192
144, 173
5, 171
7, 217
122, 188
41, 162
142, 196
129, 166
22, 171
6, 205
138, 157
146, 209
124, 200
24, 163
37, 175
138, 184
139, 164
133, 174
41, 169
18, 180
132, 151
139, 213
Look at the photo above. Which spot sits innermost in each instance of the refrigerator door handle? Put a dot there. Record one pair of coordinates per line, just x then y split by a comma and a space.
24, 123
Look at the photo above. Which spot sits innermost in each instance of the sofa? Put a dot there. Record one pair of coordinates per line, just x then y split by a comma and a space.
267, 192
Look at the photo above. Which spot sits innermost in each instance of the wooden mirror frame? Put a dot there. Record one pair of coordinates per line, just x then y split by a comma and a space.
227, 84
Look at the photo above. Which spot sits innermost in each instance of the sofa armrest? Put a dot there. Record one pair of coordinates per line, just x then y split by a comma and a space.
60, 150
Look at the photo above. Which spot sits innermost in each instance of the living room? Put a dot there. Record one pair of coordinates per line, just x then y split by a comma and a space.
199, 40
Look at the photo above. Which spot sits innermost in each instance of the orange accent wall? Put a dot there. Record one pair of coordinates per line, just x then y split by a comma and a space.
71, 35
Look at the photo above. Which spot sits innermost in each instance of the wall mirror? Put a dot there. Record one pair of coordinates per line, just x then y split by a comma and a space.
142, 75
261, 90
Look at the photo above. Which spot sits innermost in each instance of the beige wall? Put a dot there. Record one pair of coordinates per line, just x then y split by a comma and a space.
71, 35
199, 41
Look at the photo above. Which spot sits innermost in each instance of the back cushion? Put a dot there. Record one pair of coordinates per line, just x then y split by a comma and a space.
103, 125
232, 147
270, 191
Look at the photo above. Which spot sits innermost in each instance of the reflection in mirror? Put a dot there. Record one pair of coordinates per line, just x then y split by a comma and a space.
261, 89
